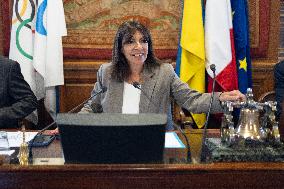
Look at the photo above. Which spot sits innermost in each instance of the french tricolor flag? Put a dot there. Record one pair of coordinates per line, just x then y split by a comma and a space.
219, 45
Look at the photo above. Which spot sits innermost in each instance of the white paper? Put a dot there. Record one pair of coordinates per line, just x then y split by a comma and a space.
48, 161
173, 141
7, 152
15, 139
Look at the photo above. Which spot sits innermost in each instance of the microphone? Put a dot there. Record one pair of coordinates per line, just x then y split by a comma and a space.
96, 107
213, 69
103, 90
204, 149
93, 107
138, 86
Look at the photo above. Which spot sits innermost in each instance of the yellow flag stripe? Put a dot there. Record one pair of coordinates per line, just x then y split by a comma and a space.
192, 38
192, 68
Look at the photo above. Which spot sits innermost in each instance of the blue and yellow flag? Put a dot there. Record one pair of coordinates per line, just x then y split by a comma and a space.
242, 47
191, 51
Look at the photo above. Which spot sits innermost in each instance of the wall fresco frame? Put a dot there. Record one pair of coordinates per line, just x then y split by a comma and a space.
259, 47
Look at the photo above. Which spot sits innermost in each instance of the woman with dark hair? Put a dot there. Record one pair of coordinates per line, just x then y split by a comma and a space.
121, 70
136, 82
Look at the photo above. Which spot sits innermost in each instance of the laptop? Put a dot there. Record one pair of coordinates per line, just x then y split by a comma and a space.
112, 138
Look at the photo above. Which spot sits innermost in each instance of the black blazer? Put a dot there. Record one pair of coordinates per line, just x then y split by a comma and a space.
279, 86
16, 97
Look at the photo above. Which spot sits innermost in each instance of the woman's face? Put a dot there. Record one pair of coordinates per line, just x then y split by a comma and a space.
135, 49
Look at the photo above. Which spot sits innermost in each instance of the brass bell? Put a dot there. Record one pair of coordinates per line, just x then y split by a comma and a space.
248, 125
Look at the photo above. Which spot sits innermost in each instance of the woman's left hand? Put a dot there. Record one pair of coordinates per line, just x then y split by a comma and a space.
234, 95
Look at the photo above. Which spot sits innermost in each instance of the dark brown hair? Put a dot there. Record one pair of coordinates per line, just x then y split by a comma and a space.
120, 69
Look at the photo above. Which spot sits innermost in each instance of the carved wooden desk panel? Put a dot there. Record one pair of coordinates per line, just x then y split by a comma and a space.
229, 175
177, 175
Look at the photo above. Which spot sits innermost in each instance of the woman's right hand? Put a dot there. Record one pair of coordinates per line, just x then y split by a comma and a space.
234, 95
52, 132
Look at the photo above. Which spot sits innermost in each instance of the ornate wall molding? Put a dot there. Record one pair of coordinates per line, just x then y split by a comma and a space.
259, 16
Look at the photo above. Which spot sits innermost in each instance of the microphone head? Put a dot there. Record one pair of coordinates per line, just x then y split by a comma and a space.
136, 85
97, 108
104, 89
213, 68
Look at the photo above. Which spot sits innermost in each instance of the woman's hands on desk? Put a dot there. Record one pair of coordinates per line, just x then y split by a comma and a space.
52, 132
234, 95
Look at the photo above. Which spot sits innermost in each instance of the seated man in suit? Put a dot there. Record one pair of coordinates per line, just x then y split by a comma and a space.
16, 97
279, 86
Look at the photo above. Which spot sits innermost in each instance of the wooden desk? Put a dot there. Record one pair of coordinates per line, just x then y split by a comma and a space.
178, 175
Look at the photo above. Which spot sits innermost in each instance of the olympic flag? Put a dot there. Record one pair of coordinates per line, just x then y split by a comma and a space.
36, 43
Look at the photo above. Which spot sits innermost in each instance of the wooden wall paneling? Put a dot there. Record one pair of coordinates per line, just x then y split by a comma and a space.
259, 13
274, 31
1, 28
80, 78
281, 48
263, 80
6, 8
262, 67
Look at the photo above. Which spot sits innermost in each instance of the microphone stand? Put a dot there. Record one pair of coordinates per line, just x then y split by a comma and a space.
138, 86
186, 141
204, 148
39, 133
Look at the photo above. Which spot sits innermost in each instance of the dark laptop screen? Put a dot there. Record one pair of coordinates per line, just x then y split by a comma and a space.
112, 138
